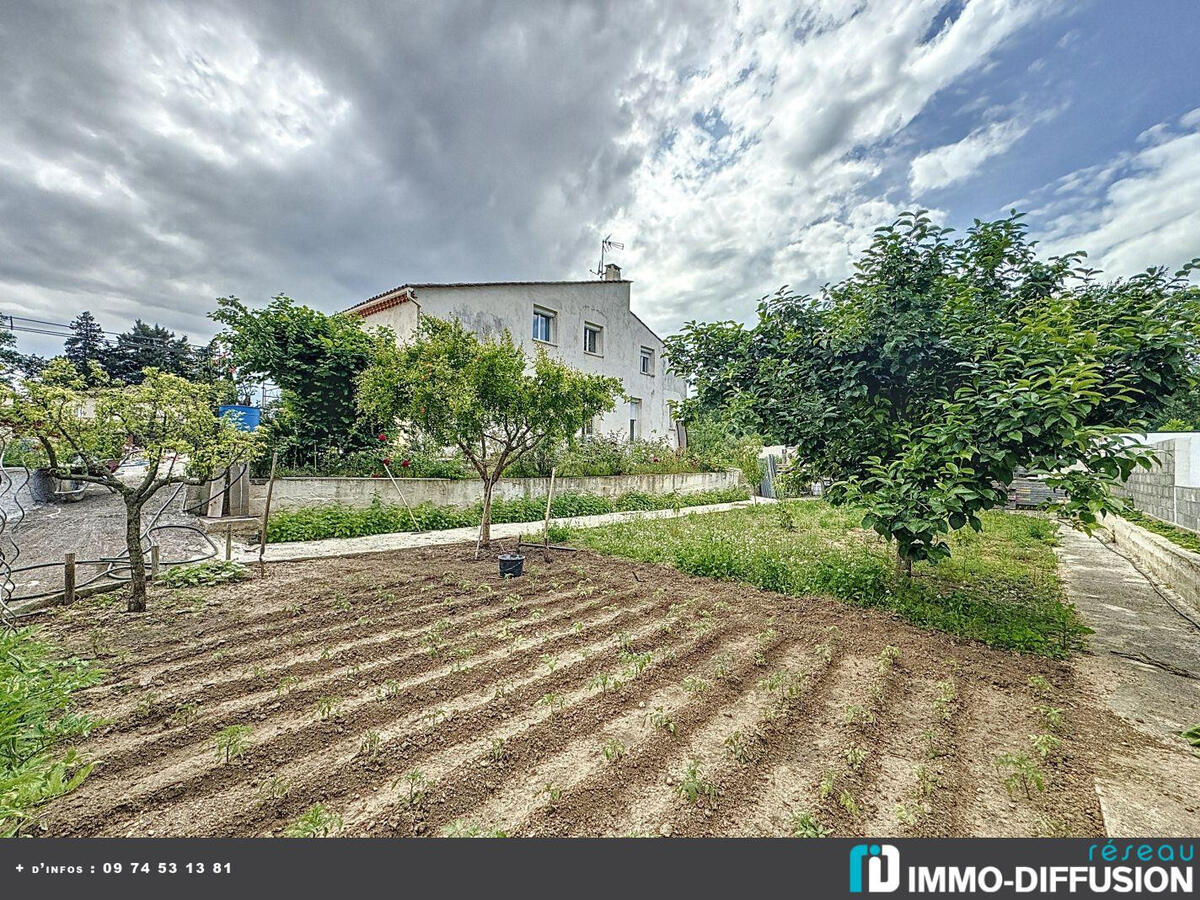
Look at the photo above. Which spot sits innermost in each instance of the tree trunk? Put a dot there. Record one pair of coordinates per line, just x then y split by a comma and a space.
485, 522
903, 564
137, 560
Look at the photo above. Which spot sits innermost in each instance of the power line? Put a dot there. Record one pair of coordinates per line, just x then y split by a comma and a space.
68, 331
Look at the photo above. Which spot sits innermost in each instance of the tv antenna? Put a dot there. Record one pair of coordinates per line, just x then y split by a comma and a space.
605, 246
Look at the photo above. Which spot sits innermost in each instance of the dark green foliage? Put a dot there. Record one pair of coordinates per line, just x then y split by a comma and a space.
924, 381
1000, 587
205, 574
86, 348
336, 520
314, 358
35, 722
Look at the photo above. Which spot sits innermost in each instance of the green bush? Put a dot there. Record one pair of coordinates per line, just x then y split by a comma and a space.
205, 574
341, 521
35, 722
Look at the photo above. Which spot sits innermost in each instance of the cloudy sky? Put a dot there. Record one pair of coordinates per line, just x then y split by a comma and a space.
153, 157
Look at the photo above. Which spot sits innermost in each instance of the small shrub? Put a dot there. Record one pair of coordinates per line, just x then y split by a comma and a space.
206, 574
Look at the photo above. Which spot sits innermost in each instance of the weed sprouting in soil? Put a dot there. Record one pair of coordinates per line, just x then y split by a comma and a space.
314, 822
613, 750
693, 785
1020, 773
232, 742
805, 825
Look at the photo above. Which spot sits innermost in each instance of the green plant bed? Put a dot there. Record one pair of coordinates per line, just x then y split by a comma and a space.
36, 724
1181, 537
341, 521
1000, 586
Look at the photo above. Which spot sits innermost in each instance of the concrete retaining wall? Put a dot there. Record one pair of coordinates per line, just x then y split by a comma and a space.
1166, 562
293, 493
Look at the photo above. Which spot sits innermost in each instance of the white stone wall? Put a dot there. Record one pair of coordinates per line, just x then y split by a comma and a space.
490, 309
294, 493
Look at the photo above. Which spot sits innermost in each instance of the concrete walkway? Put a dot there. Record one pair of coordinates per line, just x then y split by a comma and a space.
1145, 665
384, 543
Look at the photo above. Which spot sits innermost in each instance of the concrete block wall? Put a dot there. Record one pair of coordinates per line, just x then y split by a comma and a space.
1170, 490
294, 493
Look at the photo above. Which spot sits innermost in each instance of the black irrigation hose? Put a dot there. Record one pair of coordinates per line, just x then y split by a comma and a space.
117, 568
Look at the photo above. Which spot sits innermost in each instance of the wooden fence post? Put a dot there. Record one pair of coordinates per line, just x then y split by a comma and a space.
69, 579
155, 555
546, 523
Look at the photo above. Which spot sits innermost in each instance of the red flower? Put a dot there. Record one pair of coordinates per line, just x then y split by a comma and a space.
383, 437
405, 463
655, 459
388, 461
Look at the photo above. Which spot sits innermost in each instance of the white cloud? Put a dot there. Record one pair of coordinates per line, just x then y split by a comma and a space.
1138, 210
952, 163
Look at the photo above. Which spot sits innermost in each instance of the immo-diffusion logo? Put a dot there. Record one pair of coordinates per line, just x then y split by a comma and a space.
882, 863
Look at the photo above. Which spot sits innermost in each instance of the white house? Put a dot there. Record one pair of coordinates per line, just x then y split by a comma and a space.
587, 324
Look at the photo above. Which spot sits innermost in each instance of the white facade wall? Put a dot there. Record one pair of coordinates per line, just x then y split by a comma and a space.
490, 309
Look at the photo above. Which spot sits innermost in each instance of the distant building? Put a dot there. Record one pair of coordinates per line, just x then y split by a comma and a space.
586, 324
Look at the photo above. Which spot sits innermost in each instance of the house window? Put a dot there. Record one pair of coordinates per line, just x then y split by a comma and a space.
593, 339
647, 361
635, 419
588, 431
543, 325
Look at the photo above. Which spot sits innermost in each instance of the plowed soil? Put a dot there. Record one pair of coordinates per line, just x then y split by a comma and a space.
353, 674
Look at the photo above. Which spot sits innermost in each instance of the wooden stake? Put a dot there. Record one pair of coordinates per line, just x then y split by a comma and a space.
155, 553
403, 499
228, 543
69, 579
262, 539
546, 523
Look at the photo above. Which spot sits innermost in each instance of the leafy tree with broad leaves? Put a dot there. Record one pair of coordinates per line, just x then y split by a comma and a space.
924, 382
163, 421
483, 397
314, 358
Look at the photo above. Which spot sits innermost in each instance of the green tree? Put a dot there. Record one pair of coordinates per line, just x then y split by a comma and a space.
314, 358
86, 435
86, 345
942, 366
148, 347
483, 397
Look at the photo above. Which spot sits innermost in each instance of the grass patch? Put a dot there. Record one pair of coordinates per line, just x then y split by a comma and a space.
1181, 537
341, 521
35, 722
1000, 586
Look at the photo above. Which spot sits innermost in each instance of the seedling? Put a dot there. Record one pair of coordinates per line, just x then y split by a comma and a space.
316, 822
848, 803
805, 825
738, 746
723, 666
371, 743
416, 785
659, 718
460, 829
1023, 773
286, 684
887, 657
905, 815
497, 753
828, 782
944, 702
186, 713
390, 690
552, 792
857, 713
824, 652
552, 701
635, 663
613, 750
328, 706
550, 662
1041, 685
926, 781
232, 742
1044, 744
695, 685
603, 681
275, 787
1052, 717
692, 785
855, 754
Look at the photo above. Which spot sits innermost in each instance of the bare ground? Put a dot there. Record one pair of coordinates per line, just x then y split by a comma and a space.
352, 674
